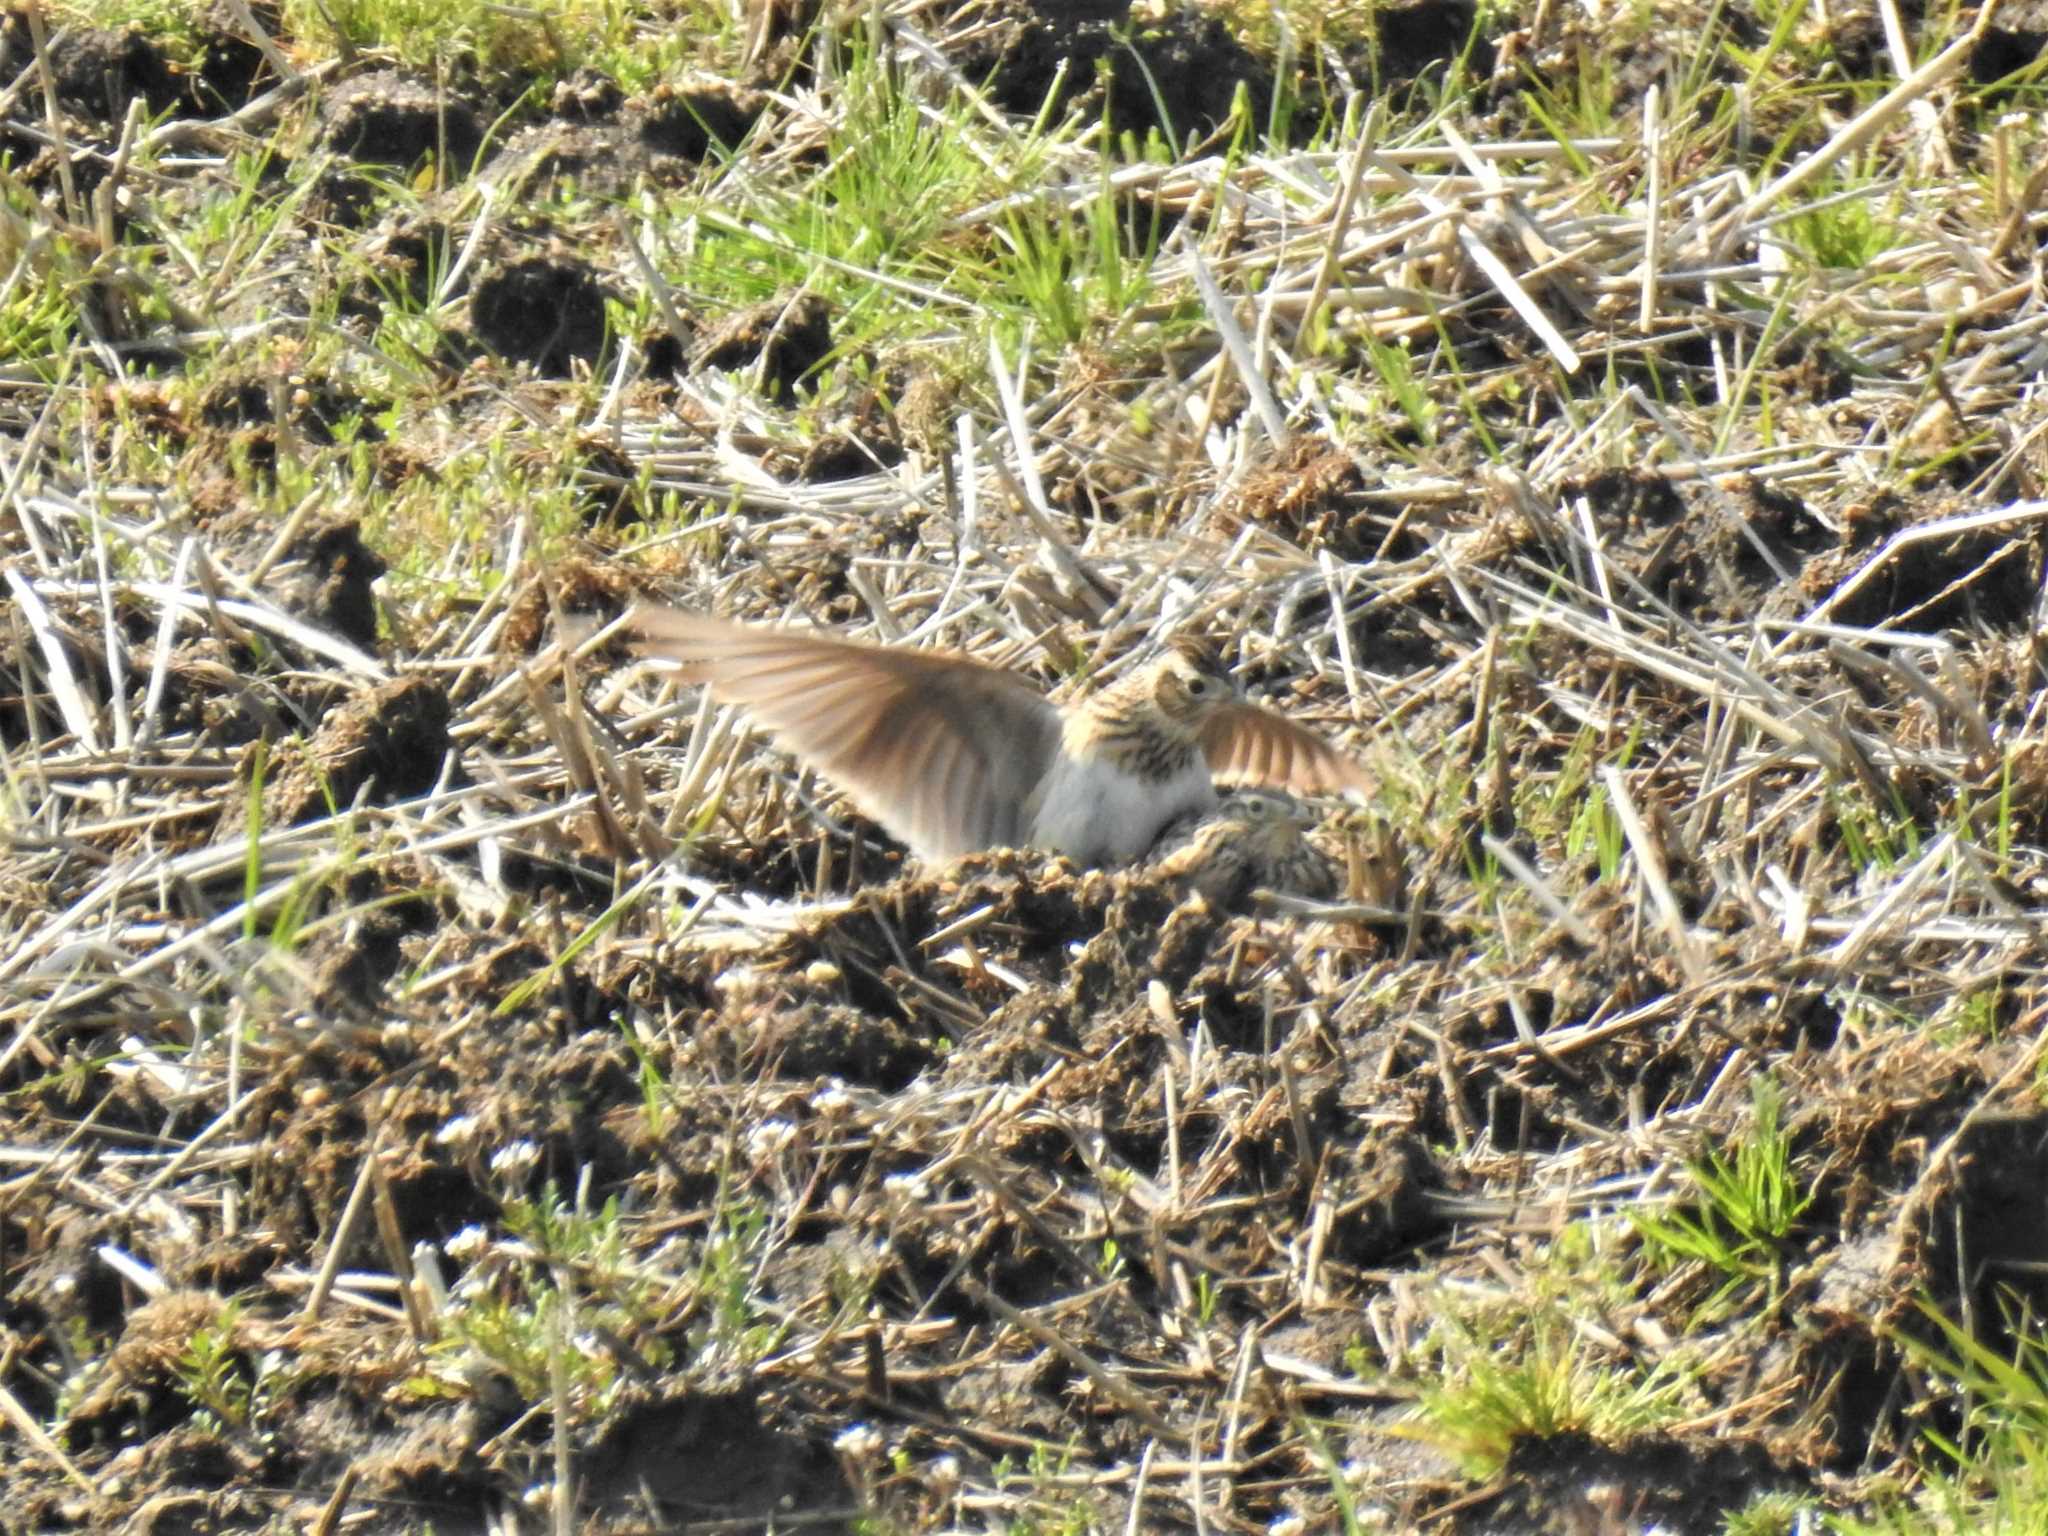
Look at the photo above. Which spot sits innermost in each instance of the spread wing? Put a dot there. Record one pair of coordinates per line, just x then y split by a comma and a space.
1249, 745
941, 750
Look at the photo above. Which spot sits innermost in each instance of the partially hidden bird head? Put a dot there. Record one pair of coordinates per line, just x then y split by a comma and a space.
1265, 807
1271, 824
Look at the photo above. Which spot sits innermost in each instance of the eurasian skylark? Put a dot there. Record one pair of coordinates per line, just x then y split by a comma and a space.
1253, 839
953, 755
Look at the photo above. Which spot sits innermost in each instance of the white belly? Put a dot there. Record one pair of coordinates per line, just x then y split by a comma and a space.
1096, 814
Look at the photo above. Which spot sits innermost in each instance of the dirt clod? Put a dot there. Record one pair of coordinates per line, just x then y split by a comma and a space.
689, 124
547, 310
784, 338
100, 71
387, 118
391, 738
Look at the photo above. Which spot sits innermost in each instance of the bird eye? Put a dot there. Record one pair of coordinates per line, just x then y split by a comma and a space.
1197, 686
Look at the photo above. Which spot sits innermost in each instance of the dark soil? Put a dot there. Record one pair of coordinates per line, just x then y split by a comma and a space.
383, 1082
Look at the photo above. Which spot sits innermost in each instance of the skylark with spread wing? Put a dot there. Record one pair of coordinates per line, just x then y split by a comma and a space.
953, 755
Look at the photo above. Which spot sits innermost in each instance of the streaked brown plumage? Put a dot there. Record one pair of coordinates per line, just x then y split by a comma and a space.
1253, 840
954, 755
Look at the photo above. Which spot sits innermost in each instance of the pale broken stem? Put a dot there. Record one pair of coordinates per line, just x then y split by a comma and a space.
1653, 205
1235, 342
38, 1439
1845, 955
64, 685
1496, 271
1110, 1382
344, 1233
1862, 128
1650, 860
1906, 538
254, 31
1030, 485
1539, 888
1340, 219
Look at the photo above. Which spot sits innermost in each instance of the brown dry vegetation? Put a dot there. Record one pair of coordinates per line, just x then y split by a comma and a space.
454, 1081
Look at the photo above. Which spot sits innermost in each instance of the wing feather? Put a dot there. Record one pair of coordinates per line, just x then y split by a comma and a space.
1249, 745
941, 749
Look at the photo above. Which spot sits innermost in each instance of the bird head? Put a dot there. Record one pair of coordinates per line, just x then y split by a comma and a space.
1188, 683
1260, 807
